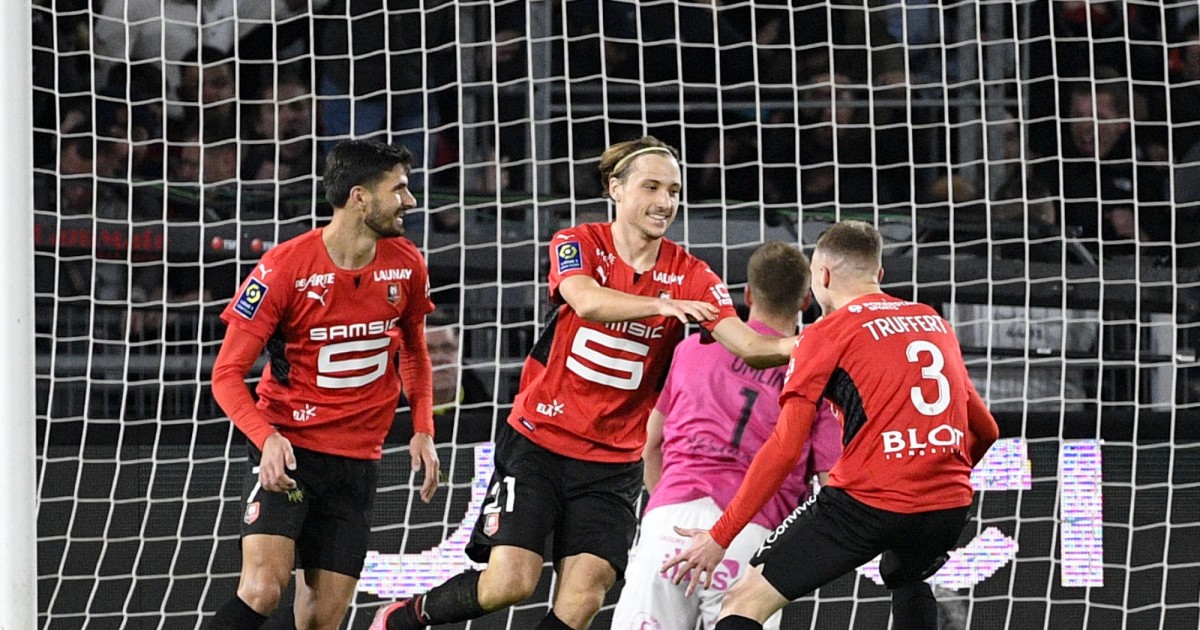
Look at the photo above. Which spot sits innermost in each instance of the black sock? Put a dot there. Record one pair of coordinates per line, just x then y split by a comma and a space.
914, 608
552, 622
457, 599
734, 622
236, 615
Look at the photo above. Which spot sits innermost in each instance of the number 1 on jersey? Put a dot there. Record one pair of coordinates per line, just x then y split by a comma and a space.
749, 396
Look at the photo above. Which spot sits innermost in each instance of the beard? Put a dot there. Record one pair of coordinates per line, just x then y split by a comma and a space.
384, 222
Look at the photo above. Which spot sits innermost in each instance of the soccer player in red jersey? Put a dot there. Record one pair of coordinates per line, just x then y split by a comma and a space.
568, 462
338, 309
913, 427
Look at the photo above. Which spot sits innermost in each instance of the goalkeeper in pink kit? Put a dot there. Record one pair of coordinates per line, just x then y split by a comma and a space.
713, 415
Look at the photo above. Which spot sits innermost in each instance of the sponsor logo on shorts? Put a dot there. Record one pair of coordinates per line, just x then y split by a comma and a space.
527, 424
251, 513
569, 257
783, 526
251, 298
491, 524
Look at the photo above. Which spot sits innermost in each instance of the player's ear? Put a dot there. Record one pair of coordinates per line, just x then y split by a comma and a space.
880, 279
614, 189
749, 296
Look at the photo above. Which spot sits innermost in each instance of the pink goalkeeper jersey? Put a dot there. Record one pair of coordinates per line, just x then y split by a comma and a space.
719, 412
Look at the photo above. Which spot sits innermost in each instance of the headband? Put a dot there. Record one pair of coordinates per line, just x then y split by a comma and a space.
623, 162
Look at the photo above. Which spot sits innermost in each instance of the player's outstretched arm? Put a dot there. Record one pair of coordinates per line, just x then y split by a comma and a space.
595, 303
757, 350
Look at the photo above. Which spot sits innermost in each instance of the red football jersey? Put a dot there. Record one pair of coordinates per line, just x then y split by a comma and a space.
331, 384
588, 387
895, 372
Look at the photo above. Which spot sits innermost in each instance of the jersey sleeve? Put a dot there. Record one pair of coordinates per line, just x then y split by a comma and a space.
704, 285
262, 300
814, 357
572, 253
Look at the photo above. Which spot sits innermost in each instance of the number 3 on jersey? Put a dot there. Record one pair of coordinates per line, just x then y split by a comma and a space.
587, 345
932, 371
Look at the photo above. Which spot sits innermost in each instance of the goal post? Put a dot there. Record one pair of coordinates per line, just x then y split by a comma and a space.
18, 522
1033, 166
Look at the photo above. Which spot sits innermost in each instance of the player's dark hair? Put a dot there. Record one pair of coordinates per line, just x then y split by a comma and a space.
779, 276
854, 243
617, 161
360, 163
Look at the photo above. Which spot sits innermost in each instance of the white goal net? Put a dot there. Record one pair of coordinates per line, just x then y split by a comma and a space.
1033, 165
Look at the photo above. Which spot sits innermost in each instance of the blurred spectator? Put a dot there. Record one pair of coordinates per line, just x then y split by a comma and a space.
731, 167
281, 138
76, 183
452, 385
167, 30
208, 90
1026, 224
1099, 175
1185, 97
835, 146
278, 160
202, 176
1124, 36
366, 57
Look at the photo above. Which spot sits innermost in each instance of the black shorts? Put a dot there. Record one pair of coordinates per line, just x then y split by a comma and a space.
836, 533
330, 516
589, 507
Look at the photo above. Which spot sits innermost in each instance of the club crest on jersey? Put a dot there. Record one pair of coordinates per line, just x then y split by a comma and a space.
393, 293
568, 257
664, 295
251, 298
251, 513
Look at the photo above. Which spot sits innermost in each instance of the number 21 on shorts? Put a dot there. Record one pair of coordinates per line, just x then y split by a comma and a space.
501, 497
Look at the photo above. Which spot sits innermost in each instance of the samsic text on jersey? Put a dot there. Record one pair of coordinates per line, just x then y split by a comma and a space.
331, 384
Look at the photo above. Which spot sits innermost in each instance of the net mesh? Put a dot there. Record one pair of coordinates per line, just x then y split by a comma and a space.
1033, 166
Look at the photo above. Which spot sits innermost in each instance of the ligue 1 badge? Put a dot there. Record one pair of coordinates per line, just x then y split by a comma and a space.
393, 293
